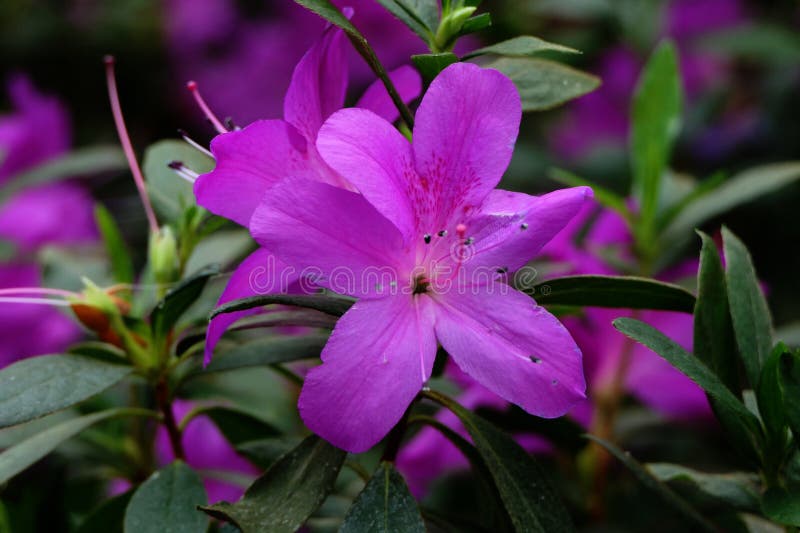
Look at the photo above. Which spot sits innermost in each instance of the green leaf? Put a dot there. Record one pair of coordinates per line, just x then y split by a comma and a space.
765, 44
475, 24
284, 497
22, 455
78, 163
264, 452
606, 197
236, 425
179, 299
430, 65
626, 292
267, 351
108, 517
677, 503
544, 84
782, 505
116, 249
790, 382
170, 194
656, 116
690, 366
769, 393
332, 305
714, 343
326, 10
737, 489
522, 46
37, 386
167, 501
384, 505
530, 500
421, 16
674, 207
741, 188
752, 324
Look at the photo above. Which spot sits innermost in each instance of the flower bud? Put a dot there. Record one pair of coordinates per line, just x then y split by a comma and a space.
164, 255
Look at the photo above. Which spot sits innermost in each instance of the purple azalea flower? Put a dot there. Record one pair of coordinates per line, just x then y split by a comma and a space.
425, 246
33, 329
250, 161
208, 451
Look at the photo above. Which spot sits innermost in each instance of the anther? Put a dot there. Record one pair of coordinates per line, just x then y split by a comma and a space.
523, 226
502, 270
427, 238
535, 359
469, 241
442, 233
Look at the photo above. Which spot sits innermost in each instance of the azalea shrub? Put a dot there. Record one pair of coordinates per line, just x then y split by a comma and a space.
357, 304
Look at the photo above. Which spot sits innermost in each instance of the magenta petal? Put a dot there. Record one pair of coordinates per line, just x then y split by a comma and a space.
332, 236
318, 84
464, 136
260, 273
512, 346
376, 361
372, 155
250, 161
376, 98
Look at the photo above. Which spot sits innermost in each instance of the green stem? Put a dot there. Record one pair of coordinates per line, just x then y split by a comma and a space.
165, 406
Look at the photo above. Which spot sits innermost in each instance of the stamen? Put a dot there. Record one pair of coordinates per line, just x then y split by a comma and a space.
523, 226
44, 291
183, 171
469, 241
442, 233
231, 125
535, 359
194, 144
427, 238
127, 146
36, 301
192, 86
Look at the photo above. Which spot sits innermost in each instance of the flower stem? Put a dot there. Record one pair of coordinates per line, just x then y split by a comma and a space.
165, 406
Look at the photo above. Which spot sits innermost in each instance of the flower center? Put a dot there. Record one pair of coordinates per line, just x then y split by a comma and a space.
421, 284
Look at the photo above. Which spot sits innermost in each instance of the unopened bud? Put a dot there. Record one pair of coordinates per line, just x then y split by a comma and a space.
164, 255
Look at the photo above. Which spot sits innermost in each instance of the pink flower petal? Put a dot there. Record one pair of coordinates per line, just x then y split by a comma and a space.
376, 361
376, 98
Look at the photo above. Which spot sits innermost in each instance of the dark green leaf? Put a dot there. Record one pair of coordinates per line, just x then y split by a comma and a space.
77, 163
790, 382
782, 505
544, 84
741, 188
656, 117
476, 24
714, 343
522, 46
384, 505
102, 351
179, 299
326, 10
422, 16
430, 65
37, 386
626, 292
332, 305
117, 251
769, 393
284, 497
268, 351
530, 500
264, 452
737, 489
697, 192
752, 324
167, 501
646, 478
606, 197
238, 426
690, 366
758, 42
22, 455
170, 194
108, 517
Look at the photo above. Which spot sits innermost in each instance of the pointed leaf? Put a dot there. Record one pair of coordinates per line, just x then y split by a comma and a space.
544, 84
179, 299
37, 386
269, 351
606, 197
167, 501
264, 452
284, 497
384, 505
737, 489
770, 396
421, 16
116, 249
237, 425
430, 65
782, 505
332, 305
790, 381
521, 46
752, 324
170, 194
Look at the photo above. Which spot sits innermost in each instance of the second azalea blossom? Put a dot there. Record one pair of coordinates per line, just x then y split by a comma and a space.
425, 244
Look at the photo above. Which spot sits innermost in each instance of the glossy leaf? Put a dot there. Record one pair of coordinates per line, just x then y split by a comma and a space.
626, 292
37, 386
421, 16
530, 500
737, 489
752, 324
430, 65
167, 501
521, 46
655, 123
544, 84
27, 452
170, 194
178, 299
109, 517
332, 305
385, 505
669, 497
116, 249
689, 365
288, 493
739, 189
269, 351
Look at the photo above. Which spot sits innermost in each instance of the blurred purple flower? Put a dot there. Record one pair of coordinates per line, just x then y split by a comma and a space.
245, 63
36, 132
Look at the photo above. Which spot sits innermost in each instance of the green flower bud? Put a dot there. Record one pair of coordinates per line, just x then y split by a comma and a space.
164, 255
